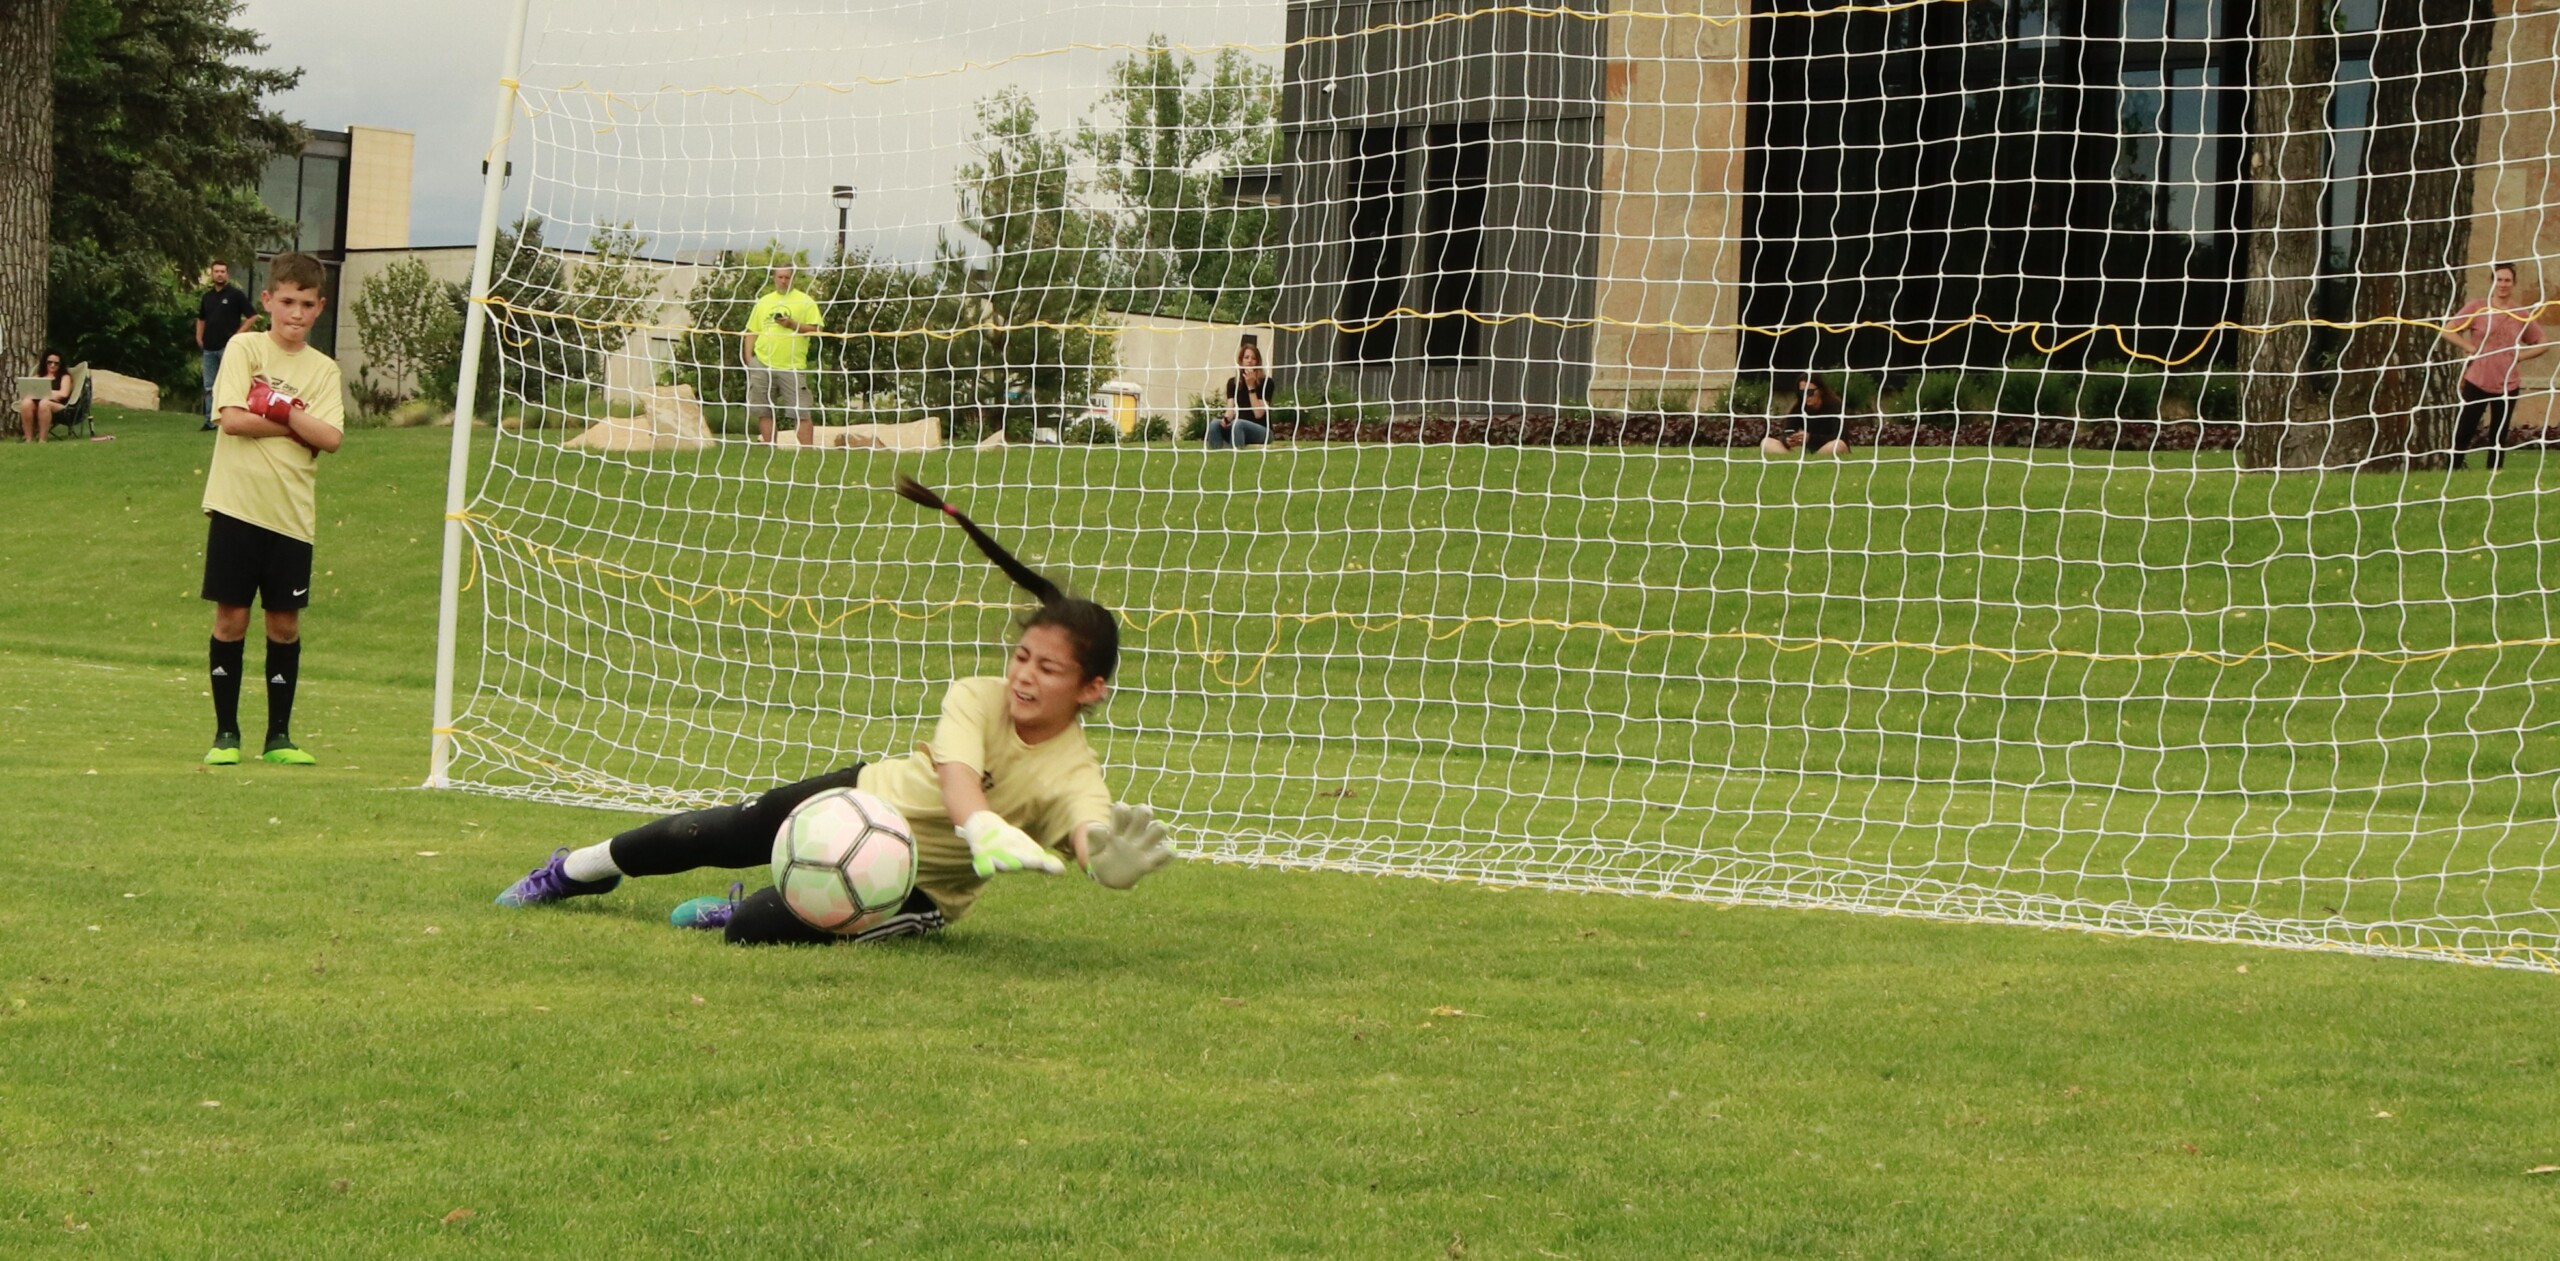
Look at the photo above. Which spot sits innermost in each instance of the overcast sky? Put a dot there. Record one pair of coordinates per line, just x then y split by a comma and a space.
429, 68
714, 168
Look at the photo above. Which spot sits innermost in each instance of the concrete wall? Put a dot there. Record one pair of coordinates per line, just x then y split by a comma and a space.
378, 171
1671, 184
1175, 361
2516, 192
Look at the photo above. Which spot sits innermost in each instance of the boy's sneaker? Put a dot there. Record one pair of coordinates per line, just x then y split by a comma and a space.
225, 751
550, 883
282, 751
707, 913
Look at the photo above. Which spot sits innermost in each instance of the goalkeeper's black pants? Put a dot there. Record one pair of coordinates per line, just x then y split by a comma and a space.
741, 836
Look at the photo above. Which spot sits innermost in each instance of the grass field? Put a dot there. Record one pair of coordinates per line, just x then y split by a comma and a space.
267, 1012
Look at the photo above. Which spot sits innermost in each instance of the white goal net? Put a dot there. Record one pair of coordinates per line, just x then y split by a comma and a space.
2165, 544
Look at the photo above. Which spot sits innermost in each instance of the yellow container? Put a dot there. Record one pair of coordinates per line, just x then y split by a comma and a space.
1119, 400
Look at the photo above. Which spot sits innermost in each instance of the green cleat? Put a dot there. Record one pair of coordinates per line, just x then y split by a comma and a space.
225, 751
282, 751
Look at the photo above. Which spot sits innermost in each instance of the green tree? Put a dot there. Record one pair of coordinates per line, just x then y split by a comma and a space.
872, 355
159, 127
554, 316
1030, 278
408, 324
1164, 139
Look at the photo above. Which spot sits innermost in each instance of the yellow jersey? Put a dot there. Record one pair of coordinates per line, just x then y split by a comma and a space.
269, 481
1047, 789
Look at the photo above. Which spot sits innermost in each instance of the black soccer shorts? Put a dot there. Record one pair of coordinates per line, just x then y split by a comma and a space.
245, 564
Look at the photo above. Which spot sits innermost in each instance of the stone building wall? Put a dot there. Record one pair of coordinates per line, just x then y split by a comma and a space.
1671, 181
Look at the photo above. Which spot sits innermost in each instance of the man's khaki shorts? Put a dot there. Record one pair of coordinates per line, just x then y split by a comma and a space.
778, 392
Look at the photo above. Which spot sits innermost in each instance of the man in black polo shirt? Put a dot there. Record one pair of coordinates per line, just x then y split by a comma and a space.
219, 315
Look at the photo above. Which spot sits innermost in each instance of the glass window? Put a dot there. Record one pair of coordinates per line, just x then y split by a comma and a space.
2179, 19
280, 188
1376, 271
2350, 115
2168, 155
318, 212
2347, 17
2036, 23
1985, 22
2195, 19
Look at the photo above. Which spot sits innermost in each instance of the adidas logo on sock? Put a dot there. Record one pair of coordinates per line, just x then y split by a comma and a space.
278, 679
220, 673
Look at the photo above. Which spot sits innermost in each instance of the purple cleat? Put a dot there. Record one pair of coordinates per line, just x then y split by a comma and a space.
550, 883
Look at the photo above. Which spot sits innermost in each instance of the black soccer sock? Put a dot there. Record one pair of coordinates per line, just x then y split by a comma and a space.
284, 669
226, 667
724, 836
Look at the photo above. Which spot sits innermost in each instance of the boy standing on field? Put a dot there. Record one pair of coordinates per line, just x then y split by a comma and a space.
280, 406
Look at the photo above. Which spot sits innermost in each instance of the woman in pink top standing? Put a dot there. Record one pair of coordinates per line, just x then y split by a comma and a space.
2497, 339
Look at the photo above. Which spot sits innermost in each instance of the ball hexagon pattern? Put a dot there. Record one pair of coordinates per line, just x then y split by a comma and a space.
843, 860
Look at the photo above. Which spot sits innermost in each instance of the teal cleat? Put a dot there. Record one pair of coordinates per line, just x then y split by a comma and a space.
708, 914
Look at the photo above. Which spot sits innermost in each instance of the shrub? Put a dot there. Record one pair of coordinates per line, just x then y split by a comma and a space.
1663, 402
1099, 431
1746, 396
1933, 392
2116, 390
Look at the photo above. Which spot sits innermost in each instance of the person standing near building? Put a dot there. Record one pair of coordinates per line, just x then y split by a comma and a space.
220, 313
777, 356
2497, 338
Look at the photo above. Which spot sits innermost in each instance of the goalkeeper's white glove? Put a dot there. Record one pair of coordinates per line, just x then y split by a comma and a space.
1124, 850
997, 846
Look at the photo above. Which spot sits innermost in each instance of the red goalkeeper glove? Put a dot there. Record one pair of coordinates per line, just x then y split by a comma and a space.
274, 404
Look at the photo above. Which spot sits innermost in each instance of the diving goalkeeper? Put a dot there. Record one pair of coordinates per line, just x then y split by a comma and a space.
1006, 784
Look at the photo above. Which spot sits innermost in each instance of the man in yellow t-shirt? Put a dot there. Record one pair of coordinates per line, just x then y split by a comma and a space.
776, 351
281, 406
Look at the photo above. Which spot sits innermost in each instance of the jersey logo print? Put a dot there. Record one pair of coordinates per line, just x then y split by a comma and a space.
986, 781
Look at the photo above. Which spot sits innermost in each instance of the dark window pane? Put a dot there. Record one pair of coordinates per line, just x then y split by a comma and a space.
1453, 205
1985, 22
318, 213
2346, 16
1377, 254
2195, 19
2146, 19
2350, 116
280, 188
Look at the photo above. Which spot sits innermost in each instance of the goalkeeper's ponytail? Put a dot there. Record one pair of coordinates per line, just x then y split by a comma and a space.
1093, 629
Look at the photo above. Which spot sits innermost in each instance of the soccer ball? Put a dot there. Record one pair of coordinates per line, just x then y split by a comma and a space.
844, 860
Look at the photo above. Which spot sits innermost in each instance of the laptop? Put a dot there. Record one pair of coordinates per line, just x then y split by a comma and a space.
35, 387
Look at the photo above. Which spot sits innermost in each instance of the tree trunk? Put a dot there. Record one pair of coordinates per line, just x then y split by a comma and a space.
2284, 417
27, 32
2428, 63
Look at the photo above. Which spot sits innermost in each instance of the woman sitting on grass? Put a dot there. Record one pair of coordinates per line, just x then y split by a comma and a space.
1007, 784
1818, 422
35, 415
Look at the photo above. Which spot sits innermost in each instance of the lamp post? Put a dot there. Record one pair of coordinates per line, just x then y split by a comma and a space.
844, 195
